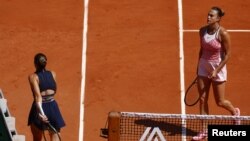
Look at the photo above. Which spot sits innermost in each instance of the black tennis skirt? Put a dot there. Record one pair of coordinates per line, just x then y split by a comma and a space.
51, 110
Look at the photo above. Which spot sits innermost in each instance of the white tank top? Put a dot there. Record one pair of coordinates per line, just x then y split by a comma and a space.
211, 47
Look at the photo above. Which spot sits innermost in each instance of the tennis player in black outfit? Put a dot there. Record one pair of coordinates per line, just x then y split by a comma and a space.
44, 108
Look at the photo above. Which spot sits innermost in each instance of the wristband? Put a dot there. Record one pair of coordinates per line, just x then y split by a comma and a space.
39, 105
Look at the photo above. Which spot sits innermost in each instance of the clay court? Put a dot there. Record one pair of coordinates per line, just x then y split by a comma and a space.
132, 57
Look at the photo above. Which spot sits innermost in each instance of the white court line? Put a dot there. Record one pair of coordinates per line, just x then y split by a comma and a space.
229, 30
181, 57
84, 49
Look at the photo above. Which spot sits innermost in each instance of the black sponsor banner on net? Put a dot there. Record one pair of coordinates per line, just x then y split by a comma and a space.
221, 132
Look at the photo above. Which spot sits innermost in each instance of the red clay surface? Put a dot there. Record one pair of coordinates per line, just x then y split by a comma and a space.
132, 56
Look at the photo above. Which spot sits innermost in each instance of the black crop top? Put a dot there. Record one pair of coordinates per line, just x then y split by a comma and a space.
46, 81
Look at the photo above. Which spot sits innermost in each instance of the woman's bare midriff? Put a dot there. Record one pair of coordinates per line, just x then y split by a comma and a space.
48, 92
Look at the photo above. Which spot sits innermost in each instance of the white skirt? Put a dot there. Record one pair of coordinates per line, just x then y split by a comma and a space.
205, 68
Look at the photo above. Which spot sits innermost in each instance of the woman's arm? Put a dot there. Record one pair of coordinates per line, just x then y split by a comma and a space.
226, 46
201, 32
33, 80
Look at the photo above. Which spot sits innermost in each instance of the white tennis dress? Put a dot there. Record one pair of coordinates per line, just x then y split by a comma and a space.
212, 54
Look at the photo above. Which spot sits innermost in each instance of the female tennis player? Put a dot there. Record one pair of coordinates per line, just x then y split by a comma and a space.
215, 51
44, 107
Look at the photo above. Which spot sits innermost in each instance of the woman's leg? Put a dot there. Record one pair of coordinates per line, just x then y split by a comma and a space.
54, 136
37, 133
203, 87
219, 94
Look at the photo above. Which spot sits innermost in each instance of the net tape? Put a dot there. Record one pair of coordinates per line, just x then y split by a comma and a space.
180, 116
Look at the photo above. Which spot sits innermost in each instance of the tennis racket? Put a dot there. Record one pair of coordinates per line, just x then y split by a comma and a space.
52, 128
192, 95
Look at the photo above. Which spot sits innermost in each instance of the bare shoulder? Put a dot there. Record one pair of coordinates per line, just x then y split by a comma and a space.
224, 35
223, 31
32, 77
202, 30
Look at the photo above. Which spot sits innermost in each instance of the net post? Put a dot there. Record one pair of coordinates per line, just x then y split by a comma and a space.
114, 126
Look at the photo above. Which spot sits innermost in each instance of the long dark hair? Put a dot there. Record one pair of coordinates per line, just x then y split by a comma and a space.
40, 61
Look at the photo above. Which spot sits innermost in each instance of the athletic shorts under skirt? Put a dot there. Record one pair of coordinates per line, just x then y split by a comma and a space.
52, 112
206, 67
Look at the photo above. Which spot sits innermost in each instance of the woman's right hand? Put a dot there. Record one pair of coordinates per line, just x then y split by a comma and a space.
43, 118
213, 74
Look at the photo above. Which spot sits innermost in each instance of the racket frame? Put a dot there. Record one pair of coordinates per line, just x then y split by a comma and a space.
187, 90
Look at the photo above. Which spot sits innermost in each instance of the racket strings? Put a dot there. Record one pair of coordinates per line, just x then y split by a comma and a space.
192, 95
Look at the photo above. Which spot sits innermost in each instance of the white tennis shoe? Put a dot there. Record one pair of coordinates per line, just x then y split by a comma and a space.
237, 121
200, 136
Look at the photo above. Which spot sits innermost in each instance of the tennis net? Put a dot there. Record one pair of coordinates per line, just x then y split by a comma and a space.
131, 126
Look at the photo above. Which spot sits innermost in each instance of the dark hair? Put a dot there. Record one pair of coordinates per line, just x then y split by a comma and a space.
221, 13
40, 61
